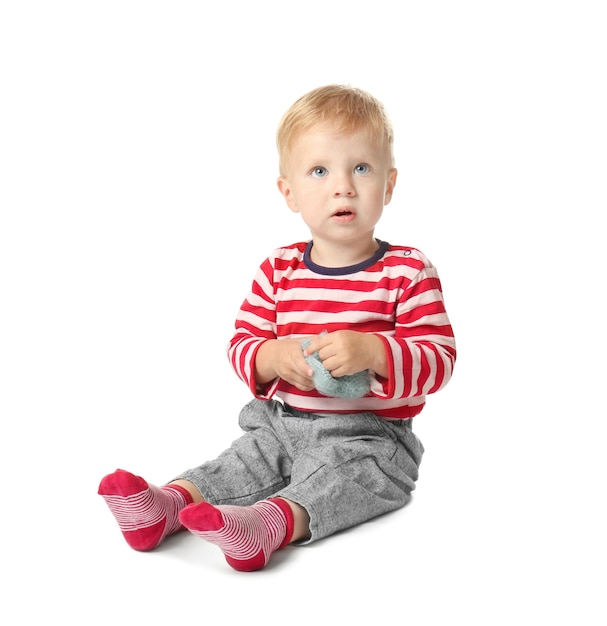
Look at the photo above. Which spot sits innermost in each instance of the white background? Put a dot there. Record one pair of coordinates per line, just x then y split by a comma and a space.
137, 197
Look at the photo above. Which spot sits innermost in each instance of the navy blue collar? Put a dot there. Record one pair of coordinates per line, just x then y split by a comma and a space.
350, 269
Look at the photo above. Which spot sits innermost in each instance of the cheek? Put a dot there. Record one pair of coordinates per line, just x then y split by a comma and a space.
307, 197
378, 196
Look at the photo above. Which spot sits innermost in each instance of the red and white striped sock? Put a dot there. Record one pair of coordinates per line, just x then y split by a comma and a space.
247, 535
145, 514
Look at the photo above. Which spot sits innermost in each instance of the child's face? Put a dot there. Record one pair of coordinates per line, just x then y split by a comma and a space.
339, 183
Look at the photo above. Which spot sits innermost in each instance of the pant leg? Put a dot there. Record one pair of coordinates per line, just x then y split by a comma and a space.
255, 466
353, 468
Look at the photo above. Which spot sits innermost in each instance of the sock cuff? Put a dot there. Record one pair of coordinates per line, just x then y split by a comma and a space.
283, 505
184, 492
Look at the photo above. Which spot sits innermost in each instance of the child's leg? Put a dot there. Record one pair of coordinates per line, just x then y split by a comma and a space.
247, 535
145, 514
359, 467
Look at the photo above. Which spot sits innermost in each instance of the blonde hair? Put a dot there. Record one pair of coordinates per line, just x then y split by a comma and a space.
343, 108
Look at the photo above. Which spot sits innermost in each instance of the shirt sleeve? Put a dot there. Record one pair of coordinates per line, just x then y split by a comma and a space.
255, 324
421, 353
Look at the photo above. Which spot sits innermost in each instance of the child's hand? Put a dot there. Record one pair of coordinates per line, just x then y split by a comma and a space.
346, 352
291, 366
284, 358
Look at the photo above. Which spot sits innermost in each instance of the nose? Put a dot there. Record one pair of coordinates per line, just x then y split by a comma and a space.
344, 186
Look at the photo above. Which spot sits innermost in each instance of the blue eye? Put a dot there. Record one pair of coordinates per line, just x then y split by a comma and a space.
362, 168
319, 172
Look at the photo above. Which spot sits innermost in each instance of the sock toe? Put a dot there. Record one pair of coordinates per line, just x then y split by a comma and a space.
201, 517
121, 483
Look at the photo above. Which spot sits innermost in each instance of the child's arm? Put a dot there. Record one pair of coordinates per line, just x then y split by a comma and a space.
416, 360
421, 353
257, 356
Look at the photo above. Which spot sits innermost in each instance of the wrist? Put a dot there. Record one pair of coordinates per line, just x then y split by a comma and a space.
378, 356
264, 360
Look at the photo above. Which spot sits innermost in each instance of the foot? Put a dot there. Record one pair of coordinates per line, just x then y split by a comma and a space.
247, 535
145, 514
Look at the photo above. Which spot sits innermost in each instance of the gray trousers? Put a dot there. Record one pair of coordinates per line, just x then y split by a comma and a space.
344, 469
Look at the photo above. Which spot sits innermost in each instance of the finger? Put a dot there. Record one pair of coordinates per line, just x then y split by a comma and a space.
302, 366
308, 371
318, 343
311, 349
304, 384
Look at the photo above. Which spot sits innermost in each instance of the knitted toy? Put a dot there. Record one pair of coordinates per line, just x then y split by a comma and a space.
349, 387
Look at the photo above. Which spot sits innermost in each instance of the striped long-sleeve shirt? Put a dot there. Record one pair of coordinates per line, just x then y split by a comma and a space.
396, 295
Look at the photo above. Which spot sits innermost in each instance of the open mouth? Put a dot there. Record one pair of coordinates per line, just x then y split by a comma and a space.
342, 213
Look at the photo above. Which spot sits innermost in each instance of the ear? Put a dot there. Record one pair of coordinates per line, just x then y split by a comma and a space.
392, 174
285, 189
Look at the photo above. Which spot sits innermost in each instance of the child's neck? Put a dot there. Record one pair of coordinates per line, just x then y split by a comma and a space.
331, 254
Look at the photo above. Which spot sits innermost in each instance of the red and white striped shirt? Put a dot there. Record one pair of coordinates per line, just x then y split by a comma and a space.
396, 295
